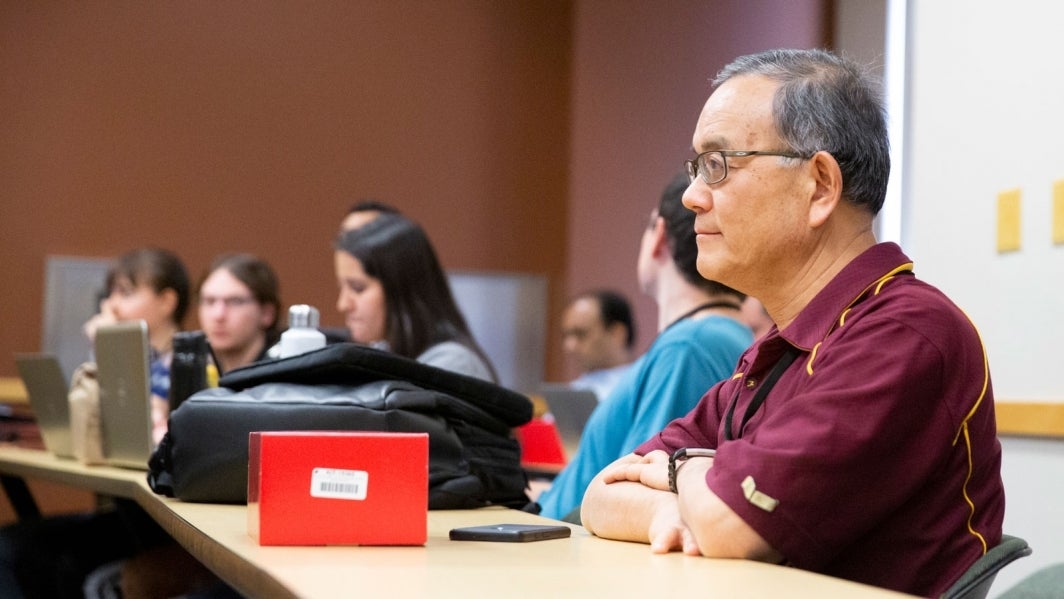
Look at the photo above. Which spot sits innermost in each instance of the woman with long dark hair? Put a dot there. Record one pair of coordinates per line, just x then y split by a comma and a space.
394, 296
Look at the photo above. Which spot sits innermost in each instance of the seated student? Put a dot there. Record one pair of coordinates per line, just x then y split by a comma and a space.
598, 333
699, 340
239, 309
149, 284
239, 302
394, 296
857, 437
51, 557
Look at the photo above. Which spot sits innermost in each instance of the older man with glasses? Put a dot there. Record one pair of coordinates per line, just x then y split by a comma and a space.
857, 437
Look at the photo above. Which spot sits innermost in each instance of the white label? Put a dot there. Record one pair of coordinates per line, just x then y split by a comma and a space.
339, 484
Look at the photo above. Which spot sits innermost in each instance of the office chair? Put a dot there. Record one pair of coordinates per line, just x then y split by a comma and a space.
975, 582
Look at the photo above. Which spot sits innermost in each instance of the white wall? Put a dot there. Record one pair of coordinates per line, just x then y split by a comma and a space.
985, 115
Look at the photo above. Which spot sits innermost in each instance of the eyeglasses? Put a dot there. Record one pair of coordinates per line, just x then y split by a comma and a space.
713, 165
230, 302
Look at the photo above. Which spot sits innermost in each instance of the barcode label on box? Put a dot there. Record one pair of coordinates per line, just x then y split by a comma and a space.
334, 483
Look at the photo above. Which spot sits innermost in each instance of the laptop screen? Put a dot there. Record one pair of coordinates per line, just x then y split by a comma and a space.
125, 396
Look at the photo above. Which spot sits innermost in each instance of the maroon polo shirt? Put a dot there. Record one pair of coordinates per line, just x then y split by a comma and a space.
875, 457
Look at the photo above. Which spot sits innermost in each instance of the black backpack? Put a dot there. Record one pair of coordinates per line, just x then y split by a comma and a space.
474, 459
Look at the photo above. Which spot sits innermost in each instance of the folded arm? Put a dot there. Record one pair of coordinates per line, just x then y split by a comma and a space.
630, 500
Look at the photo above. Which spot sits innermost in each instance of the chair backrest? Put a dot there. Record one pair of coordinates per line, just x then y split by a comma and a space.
975, 582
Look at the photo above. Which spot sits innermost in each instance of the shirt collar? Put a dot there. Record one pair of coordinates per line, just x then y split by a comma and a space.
817, 319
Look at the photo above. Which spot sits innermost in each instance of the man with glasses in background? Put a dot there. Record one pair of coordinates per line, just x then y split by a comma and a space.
858, 438
239, 309
598, 333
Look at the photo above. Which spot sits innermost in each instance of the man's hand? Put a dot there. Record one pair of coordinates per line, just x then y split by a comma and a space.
667, 531
652, 470
629, 500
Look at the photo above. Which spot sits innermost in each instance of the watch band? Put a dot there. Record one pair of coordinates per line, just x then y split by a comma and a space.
680, 455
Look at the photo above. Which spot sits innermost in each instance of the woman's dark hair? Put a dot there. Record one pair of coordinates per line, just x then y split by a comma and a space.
259, 278
159, 269
421, 310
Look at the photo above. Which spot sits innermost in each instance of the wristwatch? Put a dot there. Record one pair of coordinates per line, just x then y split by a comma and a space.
680, 456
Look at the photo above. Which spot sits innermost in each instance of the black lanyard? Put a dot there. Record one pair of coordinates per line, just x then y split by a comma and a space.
785, 360
699, 308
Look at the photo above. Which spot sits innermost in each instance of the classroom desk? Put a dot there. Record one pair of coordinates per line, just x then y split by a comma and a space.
582, 565
12, 391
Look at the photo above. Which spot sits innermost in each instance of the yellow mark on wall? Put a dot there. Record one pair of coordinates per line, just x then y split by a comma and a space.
1008, 217
1058, 212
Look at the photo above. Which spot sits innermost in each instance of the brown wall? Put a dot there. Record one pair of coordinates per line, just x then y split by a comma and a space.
641, 77
524, 136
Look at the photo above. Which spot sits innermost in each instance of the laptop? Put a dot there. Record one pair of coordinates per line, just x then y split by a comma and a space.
47, 390
571, 408
125, 393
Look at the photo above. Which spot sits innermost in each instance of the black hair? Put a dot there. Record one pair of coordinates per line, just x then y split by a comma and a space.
158, 268
614, 308
421, 311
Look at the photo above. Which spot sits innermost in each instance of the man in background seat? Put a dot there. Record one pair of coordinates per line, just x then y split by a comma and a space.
699, 339
598, 333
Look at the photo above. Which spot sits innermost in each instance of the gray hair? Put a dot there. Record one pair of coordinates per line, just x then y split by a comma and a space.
825, 102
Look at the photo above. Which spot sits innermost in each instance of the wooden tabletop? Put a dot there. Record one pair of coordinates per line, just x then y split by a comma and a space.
12, 391
582, 565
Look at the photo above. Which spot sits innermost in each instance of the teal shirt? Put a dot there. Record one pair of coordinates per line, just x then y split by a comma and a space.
665, 383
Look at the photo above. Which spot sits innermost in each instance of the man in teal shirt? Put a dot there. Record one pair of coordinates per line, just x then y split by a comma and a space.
699, 342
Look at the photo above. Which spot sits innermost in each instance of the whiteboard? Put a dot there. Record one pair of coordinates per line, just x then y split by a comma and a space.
985, 114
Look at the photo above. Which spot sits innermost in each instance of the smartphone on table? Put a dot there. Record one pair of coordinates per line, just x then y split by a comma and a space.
511, 533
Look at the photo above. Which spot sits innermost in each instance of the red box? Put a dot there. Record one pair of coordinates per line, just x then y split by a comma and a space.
338, 488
